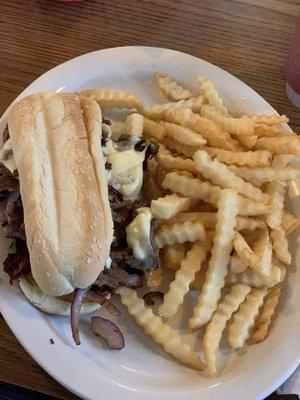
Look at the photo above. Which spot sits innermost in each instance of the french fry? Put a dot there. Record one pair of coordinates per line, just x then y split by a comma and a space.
244, 252
170, 205
263, 322
211, 94
208, 220
220, 174
134, 126
273, 119
251, 278
248, 141
216, 326
185, 149
249, 179
220, 253
281, 246
252, 236
282, 160
263, 130
214, 135
237, 126
243, 320
171, 89
211, 176
113, 98
164, 150
154, 279
193, 187
184, 276
249, 224
258, 158
179, 233
182, 134
289, 222
263, 248
266, 174
276, 192
208, 129
161, 333
183, 116
289, 144
171, 162
173, 255
158, 111
153, 130
236, 265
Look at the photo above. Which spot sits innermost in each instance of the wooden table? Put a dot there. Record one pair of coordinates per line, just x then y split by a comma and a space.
248, 38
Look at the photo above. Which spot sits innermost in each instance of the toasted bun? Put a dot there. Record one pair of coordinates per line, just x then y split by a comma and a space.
51, 304
68, 223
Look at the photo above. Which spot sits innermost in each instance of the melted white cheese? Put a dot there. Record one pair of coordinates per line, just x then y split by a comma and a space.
6, 156
108, 263
138, 234
126, 173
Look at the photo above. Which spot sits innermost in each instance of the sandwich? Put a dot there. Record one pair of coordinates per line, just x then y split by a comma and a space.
64, 204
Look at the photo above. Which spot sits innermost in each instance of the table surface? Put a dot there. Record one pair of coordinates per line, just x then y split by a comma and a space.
248, 38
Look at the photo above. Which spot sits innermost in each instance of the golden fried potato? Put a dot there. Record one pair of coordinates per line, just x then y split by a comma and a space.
244, 319
184, 276
113, 98
211, 94
170, 205
216, 326
289, 144
179, 233
171, 89
220, 174
193, 187
220, 254
161, 333
263, 322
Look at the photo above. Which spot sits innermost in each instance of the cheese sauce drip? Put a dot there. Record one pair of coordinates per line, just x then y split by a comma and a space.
125, 171
138, 234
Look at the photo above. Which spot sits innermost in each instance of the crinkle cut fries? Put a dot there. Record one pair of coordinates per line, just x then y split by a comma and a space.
216, 188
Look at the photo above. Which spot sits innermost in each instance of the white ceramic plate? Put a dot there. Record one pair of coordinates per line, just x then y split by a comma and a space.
142, 370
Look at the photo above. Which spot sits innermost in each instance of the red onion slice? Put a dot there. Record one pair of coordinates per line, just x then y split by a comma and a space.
98, 298
108, 331
79, 295
148, 297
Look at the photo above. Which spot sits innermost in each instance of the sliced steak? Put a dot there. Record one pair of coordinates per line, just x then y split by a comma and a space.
13, 218
8, 182
155, 249
17, 265
114, 277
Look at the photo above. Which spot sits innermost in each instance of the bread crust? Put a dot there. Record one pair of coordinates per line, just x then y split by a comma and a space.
67, 217
51, 304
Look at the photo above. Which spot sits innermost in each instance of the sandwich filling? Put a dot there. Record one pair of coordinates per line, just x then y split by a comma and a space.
132, 250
